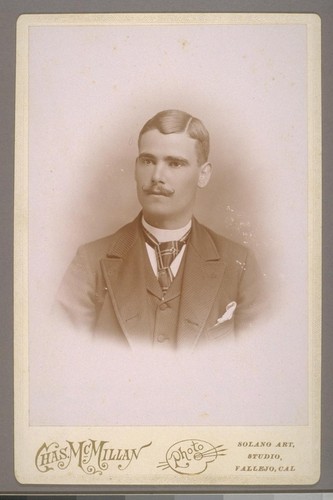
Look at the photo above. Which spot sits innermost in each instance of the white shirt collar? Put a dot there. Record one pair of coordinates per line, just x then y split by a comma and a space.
166, 234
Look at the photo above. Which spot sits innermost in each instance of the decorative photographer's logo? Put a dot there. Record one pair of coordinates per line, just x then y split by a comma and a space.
191, 456
93, 457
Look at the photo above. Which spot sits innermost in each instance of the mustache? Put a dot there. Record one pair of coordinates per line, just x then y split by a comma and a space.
158, 189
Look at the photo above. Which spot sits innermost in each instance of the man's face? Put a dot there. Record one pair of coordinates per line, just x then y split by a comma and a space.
167, 175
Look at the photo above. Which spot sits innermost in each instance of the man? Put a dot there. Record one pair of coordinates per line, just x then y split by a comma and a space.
164, 280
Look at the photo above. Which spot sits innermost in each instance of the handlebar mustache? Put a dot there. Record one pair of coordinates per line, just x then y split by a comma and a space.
158, 189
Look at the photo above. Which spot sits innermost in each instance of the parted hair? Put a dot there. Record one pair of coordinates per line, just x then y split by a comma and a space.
173, 121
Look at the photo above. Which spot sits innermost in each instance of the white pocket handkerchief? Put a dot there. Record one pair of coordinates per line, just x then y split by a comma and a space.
229, 312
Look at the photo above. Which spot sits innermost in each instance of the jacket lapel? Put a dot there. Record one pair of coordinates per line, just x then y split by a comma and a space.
202, 278
124, 273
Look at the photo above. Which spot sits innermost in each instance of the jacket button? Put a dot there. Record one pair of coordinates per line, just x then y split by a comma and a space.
163, 306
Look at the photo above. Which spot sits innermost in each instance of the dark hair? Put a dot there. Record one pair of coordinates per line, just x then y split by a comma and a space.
173, 121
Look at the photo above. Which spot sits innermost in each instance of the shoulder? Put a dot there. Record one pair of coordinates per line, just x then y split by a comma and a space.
226, 244
114, 244
226, 248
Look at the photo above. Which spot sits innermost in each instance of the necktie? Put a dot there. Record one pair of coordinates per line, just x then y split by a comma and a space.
165, 253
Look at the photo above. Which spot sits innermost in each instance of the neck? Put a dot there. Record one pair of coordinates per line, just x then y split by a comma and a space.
162, 235
167, 224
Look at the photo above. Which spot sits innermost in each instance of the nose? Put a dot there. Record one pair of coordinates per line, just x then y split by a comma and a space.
158, 173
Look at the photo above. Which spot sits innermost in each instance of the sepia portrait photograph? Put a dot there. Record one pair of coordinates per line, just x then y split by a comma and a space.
168, 256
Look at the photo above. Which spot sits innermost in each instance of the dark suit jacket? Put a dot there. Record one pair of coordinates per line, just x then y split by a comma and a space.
105, 287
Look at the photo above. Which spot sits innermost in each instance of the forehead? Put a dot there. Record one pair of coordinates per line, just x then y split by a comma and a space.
154, 142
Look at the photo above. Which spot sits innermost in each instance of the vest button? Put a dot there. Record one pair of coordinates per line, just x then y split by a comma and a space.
162, 338
163, 306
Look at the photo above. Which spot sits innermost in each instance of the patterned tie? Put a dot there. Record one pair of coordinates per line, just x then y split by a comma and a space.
165, 253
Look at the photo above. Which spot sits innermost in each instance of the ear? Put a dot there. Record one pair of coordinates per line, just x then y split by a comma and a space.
205, 173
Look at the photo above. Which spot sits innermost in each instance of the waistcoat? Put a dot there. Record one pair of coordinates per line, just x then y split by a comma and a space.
163, 311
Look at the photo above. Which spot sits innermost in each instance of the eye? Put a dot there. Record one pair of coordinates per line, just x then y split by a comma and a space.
175, 164
146, 161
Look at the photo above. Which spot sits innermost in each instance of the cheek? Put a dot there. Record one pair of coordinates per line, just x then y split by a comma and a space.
188, 186
138, 175
143, 172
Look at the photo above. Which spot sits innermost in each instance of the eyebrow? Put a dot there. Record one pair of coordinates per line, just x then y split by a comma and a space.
179, 159
146, 155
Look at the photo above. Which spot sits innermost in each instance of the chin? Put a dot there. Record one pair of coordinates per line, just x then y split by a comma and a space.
163, 220
155, 216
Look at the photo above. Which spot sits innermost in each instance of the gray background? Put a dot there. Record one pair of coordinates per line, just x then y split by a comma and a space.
9, 11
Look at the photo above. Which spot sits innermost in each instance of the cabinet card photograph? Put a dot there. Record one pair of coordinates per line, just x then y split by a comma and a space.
167, 249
